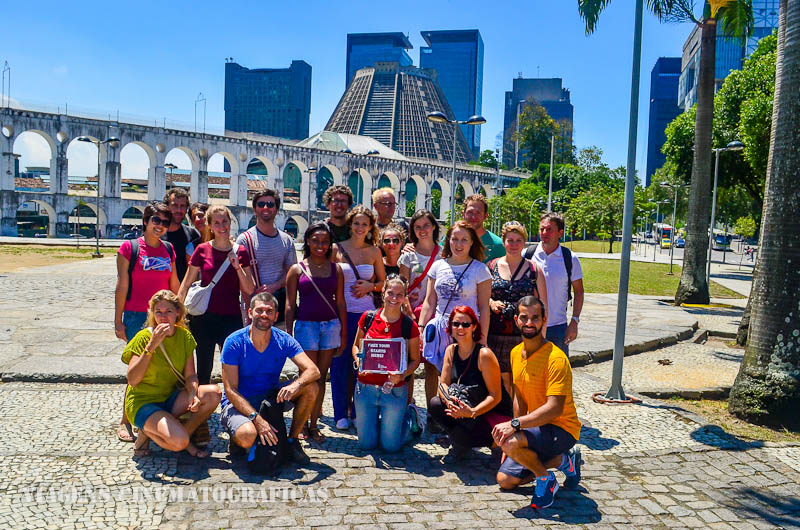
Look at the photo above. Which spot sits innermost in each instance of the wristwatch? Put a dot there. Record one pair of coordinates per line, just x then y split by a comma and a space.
252, 416
576, 319
515, 424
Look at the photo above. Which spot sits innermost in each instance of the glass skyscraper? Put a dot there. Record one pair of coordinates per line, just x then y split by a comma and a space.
271, 101
365, 49
457, 57
663, 109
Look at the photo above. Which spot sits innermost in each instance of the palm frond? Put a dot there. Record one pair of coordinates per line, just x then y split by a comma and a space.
736, 18
589, 11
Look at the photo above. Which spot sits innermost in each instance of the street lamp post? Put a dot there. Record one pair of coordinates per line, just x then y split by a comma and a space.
530, 212
550, 184
440, 117
89, 139
732, 146
310, 171
657, 240
675, 188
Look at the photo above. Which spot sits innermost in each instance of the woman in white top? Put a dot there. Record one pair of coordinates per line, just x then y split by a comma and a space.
424, 234
459, 278
359, 251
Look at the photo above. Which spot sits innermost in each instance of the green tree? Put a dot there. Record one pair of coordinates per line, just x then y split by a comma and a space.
767, 388
487, 158
745, 227
536, 128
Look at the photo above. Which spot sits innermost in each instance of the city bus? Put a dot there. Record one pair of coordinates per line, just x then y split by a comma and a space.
721, 241
662, 234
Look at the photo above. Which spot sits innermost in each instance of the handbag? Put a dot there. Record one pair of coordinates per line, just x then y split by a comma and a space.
375, 299
470, 395
264, 459
197, 298
432, 350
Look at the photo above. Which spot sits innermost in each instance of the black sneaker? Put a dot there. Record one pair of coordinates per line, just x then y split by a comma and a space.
296, 454
433, 426
235, 450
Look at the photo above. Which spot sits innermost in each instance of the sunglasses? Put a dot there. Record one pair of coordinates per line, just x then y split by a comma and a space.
265, 204
159, 221
391, 241
462, 324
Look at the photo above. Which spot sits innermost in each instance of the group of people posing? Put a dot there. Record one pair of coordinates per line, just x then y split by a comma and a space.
486, 317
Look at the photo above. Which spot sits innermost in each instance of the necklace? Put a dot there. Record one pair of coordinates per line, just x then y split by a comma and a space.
386, 323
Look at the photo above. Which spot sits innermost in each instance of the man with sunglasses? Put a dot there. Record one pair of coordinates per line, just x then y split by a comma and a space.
272, 250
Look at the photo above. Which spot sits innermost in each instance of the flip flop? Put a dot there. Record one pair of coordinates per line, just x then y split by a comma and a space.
316, 436
304, 434
125, 433
142, 447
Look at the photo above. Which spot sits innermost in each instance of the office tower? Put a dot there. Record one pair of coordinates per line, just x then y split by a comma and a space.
730, 55
390, 103
365, 49
457, 57
663, 109
547, 92
271, 101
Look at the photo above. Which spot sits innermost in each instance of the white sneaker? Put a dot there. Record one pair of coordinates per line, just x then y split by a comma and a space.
343, 424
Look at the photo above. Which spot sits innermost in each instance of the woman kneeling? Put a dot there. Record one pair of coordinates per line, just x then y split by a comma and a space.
161, 357
383, 414
470, 401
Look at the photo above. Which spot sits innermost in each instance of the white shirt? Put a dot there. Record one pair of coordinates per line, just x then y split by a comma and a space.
461, 292
555, 276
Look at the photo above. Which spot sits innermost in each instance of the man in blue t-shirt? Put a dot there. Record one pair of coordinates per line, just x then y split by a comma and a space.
252, 361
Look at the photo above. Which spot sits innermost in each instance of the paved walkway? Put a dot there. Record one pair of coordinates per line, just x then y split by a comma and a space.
56, 324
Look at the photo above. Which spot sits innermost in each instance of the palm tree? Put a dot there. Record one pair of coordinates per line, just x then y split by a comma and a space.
736, 19
767, 389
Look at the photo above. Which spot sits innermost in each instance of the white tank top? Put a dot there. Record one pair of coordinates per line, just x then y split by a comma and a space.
353, 304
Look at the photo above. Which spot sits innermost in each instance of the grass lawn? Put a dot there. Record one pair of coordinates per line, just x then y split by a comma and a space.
15, 257
716, 412
602, 276
593, 246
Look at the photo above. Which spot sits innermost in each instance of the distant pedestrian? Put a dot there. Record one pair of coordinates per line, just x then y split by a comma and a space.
271, 250
145, 265
338, 200
319, 321
183, 237
564, 279
476, 212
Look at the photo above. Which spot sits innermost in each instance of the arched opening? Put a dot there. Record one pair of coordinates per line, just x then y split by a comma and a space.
443, 197
220, 167
486, 190
180, 175
436, 199
35, 219
384, 182
82, 219
82, 167
388, 180
411, 198
135, 163
132, 222
419, 198
324, 181
360, 183
292, 182
36, 150
291, 227
261, 174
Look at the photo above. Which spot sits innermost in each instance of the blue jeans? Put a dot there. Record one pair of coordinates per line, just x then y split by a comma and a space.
342, 373
133, 321
556, 334
384, 418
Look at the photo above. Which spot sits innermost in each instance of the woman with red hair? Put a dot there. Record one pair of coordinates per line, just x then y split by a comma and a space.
468, 404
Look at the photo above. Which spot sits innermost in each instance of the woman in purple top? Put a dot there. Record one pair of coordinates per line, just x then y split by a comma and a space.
318, 323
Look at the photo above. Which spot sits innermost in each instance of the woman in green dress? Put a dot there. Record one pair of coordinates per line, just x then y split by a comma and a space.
162, 383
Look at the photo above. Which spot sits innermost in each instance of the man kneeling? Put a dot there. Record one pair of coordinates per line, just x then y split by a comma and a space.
252, 361
545, 428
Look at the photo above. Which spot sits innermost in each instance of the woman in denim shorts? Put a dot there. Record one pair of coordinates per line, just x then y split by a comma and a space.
318, 323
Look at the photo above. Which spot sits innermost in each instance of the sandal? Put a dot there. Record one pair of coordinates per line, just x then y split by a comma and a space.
316, 436
201, 436
142, 446
304, 434
125, 432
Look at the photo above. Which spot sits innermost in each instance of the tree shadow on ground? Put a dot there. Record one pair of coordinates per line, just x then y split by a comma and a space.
716, 436
571, 507
781, 511
312, 473
593, 438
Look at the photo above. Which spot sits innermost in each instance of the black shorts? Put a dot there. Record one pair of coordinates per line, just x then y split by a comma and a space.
546, 441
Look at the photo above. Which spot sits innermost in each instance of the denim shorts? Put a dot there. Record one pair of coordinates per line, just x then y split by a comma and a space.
546, 441
148, 409
316, 336
133, 322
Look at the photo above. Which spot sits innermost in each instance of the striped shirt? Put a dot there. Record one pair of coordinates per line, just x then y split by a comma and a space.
274, 255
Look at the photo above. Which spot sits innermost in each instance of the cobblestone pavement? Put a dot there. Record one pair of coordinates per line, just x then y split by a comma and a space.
646, 466
686, 368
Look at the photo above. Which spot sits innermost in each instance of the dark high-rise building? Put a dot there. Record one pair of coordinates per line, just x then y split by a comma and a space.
663, 109
390, 103
365, 49
271, 101
730, 54
547, 92
457, 57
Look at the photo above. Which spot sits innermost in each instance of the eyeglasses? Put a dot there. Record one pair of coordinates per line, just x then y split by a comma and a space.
265, 204
386, 203
464, 325
340, 201
391, 241
159, 221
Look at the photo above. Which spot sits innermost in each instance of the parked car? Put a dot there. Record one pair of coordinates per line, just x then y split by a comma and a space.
130, 235
649, 234
680, 242
40, 234
665, 242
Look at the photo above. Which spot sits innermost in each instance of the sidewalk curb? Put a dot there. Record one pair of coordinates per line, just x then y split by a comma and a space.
715, 393
585, 358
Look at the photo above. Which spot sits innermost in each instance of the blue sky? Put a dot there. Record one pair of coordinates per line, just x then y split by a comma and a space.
152, 59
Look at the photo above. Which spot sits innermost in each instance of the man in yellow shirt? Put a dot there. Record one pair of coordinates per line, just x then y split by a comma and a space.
545, 428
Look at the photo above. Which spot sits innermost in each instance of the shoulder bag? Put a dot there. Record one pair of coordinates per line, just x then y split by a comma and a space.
304, 271
198, 296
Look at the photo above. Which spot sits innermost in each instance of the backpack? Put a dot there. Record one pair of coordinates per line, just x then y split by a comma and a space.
566, 254
135, 258
268, 459
406, 323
